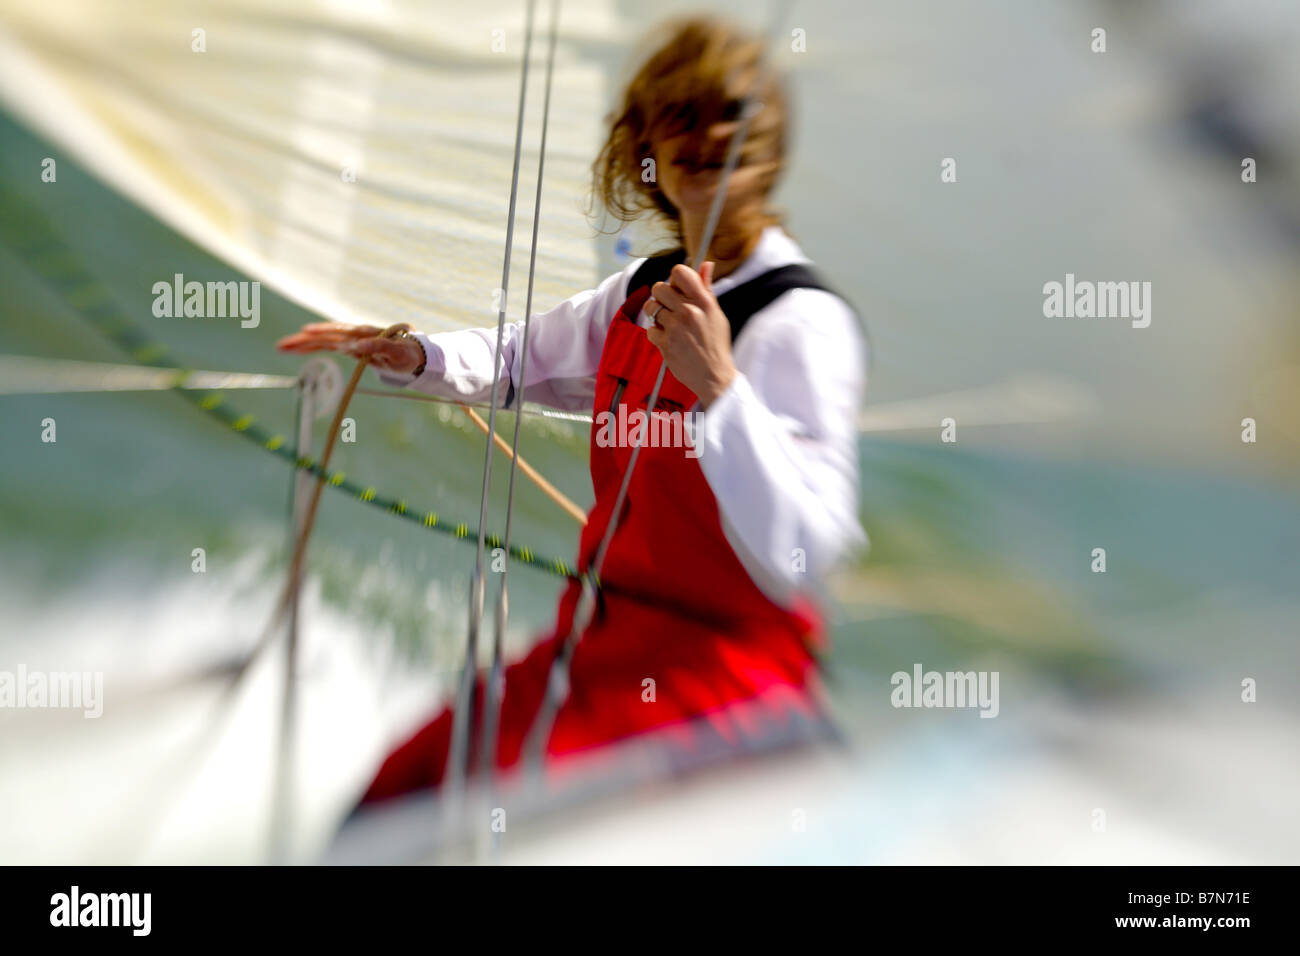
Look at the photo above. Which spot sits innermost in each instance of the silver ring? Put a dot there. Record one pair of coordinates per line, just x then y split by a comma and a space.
651, 316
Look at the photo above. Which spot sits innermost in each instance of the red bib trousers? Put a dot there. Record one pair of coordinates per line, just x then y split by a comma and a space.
677, 607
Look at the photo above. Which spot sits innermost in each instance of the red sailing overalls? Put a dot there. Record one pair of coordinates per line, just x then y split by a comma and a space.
677, 607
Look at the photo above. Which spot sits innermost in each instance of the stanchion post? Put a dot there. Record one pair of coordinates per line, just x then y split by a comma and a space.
282, 796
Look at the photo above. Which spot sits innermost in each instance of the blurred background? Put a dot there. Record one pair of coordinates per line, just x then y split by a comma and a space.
356, 158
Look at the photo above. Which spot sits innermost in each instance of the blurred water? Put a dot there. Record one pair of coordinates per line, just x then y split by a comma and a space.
1119, 690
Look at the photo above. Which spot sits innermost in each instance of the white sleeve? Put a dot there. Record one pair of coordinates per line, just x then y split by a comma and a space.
779, 446
564, 347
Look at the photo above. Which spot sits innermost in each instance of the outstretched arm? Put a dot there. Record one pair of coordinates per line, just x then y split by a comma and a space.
564, 346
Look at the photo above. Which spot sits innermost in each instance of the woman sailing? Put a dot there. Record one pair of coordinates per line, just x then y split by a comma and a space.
704, 590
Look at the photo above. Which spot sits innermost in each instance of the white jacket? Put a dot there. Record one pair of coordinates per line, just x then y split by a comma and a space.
778, 447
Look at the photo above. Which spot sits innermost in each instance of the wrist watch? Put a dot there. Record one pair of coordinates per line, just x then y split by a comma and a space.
424, 360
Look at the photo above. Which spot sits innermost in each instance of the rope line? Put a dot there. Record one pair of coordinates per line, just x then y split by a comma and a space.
33, 375
548, 489
417, 397
495, 687
28, 232
458, 756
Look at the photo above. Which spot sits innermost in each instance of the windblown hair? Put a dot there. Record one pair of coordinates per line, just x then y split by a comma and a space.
699, 73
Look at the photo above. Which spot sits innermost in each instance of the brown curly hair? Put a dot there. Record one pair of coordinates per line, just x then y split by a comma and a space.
698, 73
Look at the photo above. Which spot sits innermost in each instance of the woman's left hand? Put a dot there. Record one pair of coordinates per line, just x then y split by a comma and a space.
692, 332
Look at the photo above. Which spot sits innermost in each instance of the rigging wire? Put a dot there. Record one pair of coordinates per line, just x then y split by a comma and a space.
530, 410
461, 716
1021, 400
31, 375
37, 375
494, 688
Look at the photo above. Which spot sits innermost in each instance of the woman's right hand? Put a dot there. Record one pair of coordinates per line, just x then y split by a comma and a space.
400, 355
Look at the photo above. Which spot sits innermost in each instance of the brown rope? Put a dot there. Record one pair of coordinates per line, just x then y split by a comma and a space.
309, 517
547, 488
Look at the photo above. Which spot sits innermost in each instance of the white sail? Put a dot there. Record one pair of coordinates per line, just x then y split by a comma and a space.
356, 156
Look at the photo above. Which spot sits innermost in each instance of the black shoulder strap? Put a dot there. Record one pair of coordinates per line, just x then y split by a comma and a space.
758, 293
745, 299
655, 269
